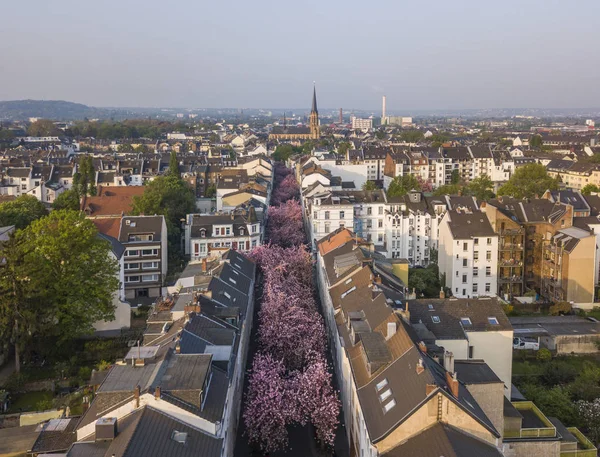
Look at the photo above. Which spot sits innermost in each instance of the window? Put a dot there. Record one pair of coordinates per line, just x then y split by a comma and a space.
464, 279
435, 319
254, 229
475, 288
465, 321
475, 272
140, 237
385, 395
132, 266
23, 186
37, 183
488, 271
132, 253
471, 351
389, 405
562, 222
149, 278
147, 252
488, 255
380, 237
381, 384
380, 210
241, 231
430, 307
489, 241
154, 265
493, 321
465, 246
380, 223
202, 233
476, 241
327, 227
132, 279
342, 215
487, 286
464, 262
227, 231
476, 255
316, 215
369, 211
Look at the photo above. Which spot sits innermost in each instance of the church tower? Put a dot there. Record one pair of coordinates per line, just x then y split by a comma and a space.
315, 129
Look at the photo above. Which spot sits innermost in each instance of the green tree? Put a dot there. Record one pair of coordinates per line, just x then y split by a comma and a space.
173, 165
536, 141
308, 147
6, 135
587, 385
455, 176
343, 148
481, 188
21, 212
448, 189
369, 185
43, 127
554, 402
125, 147
411, 136
84, 179
589, 188
380, 135
211, 191
285, 151
425, 281
401, 185
142, 148
57, 281
68, 199
528, 181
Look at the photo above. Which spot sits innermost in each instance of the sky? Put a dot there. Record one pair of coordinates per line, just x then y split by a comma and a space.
439, 54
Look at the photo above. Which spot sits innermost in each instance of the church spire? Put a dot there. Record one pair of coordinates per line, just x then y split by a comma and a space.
314, 103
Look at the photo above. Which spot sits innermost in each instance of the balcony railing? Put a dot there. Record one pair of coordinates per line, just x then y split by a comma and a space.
510, 246
510, 262
546, 431
511, 279
585, 448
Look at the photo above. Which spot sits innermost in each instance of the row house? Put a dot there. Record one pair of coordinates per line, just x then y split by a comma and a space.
45, 182
374, 158
482, 161
404, 392
180, 393
207, 235
461, 161
468, 254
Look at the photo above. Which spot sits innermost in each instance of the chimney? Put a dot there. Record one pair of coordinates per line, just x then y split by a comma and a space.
204, 265
420, 366
442, 294
136, 396
177, 348
383, 113
423, 347
377, 279
430, 388
452, 381
391, 329
157, 393
449, 361
106, 429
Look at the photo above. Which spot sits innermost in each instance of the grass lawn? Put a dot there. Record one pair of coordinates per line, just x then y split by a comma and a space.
27, 401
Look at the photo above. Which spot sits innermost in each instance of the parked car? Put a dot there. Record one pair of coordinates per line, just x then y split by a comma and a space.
526, 343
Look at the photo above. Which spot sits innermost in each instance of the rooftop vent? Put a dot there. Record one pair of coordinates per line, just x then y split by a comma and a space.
179, 437
106, 428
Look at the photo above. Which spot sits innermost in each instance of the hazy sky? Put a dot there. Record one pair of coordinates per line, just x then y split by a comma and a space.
259, 53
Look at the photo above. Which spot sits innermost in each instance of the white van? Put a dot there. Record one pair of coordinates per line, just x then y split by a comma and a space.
520, 342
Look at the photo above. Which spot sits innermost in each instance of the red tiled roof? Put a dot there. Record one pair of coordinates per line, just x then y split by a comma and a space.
108, 225
112, 201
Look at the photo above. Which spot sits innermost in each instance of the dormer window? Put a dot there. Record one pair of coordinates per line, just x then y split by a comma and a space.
493, 321
202, 233
435, 319
465, 321
241, 231
381, 384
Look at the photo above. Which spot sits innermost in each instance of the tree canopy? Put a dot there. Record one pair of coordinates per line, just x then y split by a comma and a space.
411, 136
21, 212
369, 185
43, 127
69, 199
589, 188
480, 188
58, 279
401, 185
529, 181
536, 141
84, 179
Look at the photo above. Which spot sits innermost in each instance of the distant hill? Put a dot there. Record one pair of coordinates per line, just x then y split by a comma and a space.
50, 109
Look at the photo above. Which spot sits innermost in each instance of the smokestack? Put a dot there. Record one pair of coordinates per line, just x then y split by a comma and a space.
449, 361
204, 265
341, 117
383, 114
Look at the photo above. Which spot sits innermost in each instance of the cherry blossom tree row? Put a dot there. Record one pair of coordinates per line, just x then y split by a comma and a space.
290, 381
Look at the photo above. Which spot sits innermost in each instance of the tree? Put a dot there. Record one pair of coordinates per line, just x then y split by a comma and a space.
173, 165
84, 179
125, 148
380, 135
6, 135
401, 185
536, 141
554, 402
448, 189
58, 279
43, 127
211, 191
21, 212
343, 148
588, 189
411, 136
369, 185
285, 151
68, 199
455, 176
589, 411
287, 189
529, 181
308, 147
425, 280
142, 149
481, 188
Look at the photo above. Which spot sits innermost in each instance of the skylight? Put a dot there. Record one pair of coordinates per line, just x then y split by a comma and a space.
381, 384
435, 319
430, 306
388, 406
353, 288
492, 320
385, 395
232, 281
465, 321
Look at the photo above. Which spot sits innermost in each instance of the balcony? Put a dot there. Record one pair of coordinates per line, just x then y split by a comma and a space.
584, 447
511, 232
511, 246
510, 262
534, 423
514, 278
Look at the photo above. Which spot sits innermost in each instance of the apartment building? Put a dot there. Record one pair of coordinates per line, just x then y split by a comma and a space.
374, 158
362, 124
468, 254
363, 212
399, 397
209, 234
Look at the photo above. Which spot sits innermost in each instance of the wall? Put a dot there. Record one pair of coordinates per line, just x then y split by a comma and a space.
582, 267
495, 348
490, 397
531, 449
579, 344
